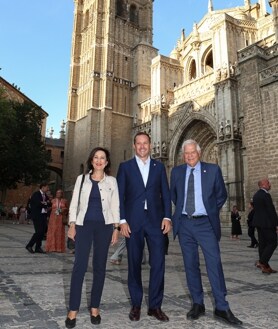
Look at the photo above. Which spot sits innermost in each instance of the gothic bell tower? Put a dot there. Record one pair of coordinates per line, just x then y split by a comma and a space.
109, 75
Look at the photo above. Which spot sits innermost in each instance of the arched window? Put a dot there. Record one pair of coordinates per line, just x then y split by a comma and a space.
133, 14
192, 70
120, 8
207, 61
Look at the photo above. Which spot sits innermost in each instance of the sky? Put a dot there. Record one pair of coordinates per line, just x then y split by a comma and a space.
35, 44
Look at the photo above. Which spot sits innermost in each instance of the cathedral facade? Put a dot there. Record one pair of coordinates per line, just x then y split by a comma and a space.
219, 86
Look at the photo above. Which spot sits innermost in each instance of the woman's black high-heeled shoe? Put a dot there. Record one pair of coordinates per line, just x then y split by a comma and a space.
70, 323
95, 319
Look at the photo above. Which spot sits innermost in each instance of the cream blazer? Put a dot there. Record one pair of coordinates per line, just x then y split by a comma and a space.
109, 193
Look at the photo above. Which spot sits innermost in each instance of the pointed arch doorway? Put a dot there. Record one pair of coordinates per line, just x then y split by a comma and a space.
203, 134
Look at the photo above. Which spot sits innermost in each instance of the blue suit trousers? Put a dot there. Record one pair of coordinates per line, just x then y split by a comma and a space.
192, 234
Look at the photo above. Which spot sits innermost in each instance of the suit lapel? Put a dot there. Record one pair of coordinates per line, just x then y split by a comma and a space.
181, 182
136, 171
204, 179
152, 173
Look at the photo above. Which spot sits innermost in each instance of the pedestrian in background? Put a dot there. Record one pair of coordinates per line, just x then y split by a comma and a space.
94, 220
15, 214
39, 204
251, 228
22, 214
266, 221
117, 257
55, 239
236, 226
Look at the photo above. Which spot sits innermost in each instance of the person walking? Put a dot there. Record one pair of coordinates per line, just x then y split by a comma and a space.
251, 228
145, 211
236, 226
15, 214
266, 221
22, 214
39, 204
116, 258
198, 193
93, 220
55, 238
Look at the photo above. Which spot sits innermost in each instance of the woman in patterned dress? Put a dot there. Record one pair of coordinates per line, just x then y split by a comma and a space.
55, 240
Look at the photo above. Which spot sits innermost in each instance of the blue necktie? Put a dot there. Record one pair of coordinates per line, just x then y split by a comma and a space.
190, 198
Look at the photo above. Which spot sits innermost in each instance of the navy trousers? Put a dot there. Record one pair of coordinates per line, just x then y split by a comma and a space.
99, 235
192, 234
135, 247
40, 226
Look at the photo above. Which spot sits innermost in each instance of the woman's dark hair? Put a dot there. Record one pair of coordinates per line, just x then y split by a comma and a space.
92, 154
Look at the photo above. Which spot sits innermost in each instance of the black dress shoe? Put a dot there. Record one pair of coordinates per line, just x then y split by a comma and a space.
95, 319
227, 316
40, 251
30, 249
158, 314
70, 323
196, 311
134, 314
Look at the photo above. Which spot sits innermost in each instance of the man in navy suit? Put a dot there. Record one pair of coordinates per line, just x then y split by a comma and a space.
266, 221
198, 193
145, 210
39, 204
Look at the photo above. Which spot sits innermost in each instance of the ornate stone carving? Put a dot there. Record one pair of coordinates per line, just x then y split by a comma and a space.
164, 149
163, 101
228, 130
221, 131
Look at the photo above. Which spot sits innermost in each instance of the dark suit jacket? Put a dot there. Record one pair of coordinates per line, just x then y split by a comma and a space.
265, 215
36, 204
133, 193
213, 191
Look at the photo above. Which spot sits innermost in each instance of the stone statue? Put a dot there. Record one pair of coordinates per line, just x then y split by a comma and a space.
218, 75
221, 130
232, 70
163, 101
228, 130
164, 148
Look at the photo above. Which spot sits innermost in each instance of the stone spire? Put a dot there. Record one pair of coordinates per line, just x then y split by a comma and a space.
182, 35
62, 131
51, 132
210, 6
274, 5
247, 4
262, 7
195, 43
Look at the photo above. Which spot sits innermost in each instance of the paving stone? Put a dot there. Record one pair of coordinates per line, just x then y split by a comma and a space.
34, 289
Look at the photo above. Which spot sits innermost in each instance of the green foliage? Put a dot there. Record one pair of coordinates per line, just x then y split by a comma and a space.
23, 156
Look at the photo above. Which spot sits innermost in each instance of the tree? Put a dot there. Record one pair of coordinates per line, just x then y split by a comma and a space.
23, 156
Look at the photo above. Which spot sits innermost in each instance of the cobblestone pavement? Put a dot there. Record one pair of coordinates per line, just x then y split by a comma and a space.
34, 289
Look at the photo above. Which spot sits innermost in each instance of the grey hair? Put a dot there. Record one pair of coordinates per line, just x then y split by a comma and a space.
191, 141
